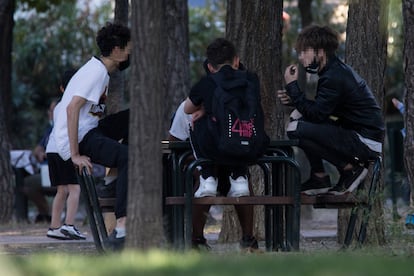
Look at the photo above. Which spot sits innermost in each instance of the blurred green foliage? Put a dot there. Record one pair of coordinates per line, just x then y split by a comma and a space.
157, 262
47, 42
395, 74
205, 24
53, 35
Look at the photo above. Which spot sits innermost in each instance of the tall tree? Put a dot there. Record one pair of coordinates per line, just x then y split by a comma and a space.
408, 17
305, 12
159, 73
6, 30
176, 79
116, 98
256, 29
366, 52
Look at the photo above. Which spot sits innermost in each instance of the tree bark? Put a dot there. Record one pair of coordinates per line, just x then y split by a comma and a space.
408, 18
176, 81
6, 35
255, 27
159, 81
6, 172
305, 12
144, 224
366, 52
116, 97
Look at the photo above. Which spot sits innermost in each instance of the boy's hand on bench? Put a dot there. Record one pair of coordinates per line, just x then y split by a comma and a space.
82, 161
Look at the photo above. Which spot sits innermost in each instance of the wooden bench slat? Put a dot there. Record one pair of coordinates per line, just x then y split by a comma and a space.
106, 202
319, 201
345, 200
221, 200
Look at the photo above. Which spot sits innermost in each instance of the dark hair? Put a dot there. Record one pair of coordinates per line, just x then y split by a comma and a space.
112, 35
66, 76
317, 37
220, 51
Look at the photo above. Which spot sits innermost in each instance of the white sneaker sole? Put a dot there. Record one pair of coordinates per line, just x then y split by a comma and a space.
314, 192
354, 184
358, 181
57, 237
72, 236
238, 193
204, 194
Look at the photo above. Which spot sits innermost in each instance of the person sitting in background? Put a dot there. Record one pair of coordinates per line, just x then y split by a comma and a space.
33, 183
401, 108
409, 219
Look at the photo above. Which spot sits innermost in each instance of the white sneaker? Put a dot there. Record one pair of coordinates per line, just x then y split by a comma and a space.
239, 187
208, 187
56, 234
72, 232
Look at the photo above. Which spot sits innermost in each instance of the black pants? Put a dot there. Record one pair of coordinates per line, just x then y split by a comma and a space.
329, 142
102, 145
204, 147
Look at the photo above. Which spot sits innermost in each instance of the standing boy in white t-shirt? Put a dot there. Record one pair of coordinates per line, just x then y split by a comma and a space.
79, 132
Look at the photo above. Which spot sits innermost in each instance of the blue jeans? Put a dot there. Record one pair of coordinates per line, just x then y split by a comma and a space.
102, 145
337, 145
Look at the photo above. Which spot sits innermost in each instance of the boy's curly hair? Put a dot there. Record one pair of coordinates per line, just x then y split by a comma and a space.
112, 35
317, 37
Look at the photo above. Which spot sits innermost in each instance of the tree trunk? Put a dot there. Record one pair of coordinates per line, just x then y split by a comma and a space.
116, 95
176, 81
408, 17
144, 224
6, 35
159, 80
255, 27
6, 172
305, 12
366, 52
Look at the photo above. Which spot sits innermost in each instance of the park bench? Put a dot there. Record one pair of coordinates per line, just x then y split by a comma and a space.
280, 231
282, 198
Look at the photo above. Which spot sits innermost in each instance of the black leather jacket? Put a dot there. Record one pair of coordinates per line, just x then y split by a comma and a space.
342, 94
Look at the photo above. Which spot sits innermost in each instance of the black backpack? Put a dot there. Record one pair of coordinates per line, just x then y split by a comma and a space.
236, 125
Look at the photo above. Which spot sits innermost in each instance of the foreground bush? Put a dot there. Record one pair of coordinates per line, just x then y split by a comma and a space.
168, 263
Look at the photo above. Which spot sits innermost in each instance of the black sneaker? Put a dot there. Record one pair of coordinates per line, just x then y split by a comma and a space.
316, 185
114, 243
249, 244
200, 244
349, 180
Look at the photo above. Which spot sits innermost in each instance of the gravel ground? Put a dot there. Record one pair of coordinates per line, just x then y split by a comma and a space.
318, 234
29, 238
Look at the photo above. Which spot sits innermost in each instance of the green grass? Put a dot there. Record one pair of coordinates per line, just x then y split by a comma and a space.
171, 263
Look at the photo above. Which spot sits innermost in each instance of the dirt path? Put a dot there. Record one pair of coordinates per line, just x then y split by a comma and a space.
318, 233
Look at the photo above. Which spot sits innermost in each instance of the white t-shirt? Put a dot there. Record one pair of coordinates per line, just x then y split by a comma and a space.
91, 83
180, 127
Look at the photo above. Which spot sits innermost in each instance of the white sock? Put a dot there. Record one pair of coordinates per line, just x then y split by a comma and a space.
120, 232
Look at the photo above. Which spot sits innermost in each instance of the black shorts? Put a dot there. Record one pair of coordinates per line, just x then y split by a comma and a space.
61, 172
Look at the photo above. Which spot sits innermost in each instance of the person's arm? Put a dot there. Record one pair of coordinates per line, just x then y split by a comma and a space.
189, 107
39, 153
72, 111
398, 105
